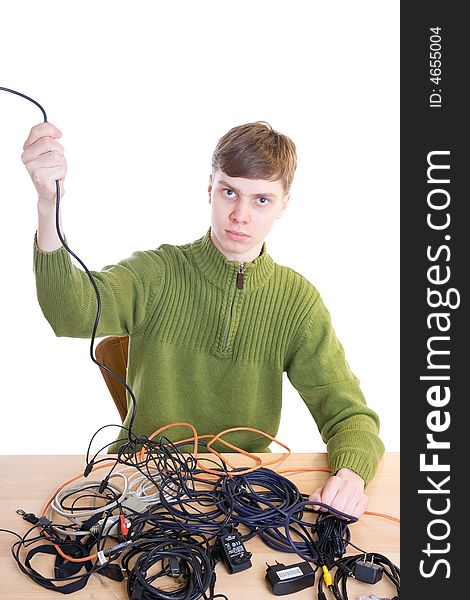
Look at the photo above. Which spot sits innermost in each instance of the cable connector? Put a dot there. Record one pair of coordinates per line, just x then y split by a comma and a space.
124, 525
214, 553
344, 569
118, 548
113, 526
137, 592
175, 567
132, 505
30, 517
367, 571
44, 522
327, 577
103, 485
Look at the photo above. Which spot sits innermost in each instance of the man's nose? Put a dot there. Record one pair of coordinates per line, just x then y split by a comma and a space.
241, 213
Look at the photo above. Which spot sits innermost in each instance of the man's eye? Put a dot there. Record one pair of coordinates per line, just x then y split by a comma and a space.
228, 192
262, 201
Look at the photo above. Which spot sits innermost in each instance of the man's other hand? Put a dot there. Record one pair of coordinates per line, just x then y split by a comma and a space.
344, 492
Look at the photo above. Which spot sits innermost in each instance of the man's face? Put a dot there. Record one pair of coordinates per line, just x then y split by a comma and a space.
243, 212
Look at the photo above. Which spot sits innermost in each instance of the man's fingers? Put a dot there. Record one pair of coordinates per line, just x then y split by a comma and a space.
341, 495
353, 506
41, 130
316, 496
45, 170
51, 158
41, 146
341, 500
330, 494
361, 507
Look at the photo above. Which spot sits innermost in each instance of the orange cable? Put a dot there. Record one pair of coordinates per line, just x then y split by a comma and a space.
259, 462
214, 438
385, 516
165, 427
301, 470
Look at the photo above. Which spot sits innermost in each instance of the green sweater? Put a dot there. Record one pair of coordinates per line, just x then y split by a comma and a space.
207, 352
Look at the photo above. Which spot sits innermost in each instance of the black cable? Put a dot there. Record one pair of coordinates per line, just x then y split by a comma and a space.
271, 506
333, 537
12, 533
90, 277
183, 558
98, 313
4, 89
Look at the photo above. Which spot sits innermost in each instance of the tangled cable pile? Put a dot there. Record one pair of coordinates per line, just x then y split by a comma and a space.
158, 516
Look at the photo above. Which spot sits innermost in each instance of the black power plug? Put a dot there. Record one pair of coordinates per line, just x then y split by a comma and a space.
287, 579
367, 571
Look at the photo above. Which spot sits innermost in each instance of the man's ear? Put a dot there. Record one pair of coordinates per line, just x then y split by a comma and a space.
209, 188
285, 200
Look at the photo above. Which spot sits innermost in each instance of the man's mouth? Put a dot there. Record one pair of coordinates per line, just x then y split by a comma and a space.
236, 235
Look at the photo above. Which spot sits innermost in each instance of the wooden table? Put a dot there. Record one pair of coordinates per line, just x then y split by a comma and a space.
28, 482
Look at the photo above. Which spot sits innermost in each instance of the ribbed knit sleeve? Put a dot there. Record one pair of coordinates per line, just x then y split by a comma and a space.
319, 371
67, 298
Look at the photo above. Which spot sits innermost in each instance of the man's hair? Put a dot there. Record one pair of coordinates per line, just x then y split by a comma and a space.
256, 151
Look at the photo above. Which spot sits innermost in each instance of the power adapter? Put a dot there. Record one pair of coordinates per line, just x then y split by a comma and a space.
282, 579
367, 571
233, 553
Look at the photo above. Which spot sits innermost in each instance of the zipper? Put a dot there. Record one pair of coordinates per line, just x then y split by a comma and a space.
240, 276
239, 286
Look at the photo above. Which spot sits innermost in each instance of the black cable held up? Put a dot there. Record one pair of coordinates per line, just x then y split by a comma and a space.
131, 435
4, 89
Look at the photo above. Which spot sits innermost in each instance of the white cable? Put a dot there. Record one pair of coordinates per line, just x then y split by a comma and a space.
92, 488
140, 486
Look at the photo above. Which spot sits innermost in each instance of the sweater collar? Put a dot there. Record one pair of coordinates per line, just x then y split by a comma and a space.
222, 272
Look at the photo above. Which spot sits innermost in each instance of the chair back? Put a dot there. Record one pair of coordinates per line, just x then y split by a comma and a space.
112, 351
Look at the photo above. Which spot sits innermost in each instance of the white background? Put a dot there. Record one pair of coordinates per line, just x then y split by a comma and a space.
142, 91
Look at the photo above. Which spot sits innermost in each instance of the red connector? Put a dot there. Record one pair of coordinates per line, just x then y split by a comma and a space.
122, 521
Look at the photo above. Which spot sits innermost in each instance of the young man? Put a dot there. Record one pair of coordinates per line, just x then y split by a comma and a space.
214, 324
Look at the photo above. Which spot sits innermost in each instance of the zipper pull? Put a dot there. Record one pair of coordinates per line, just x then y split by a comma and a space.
240, 276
